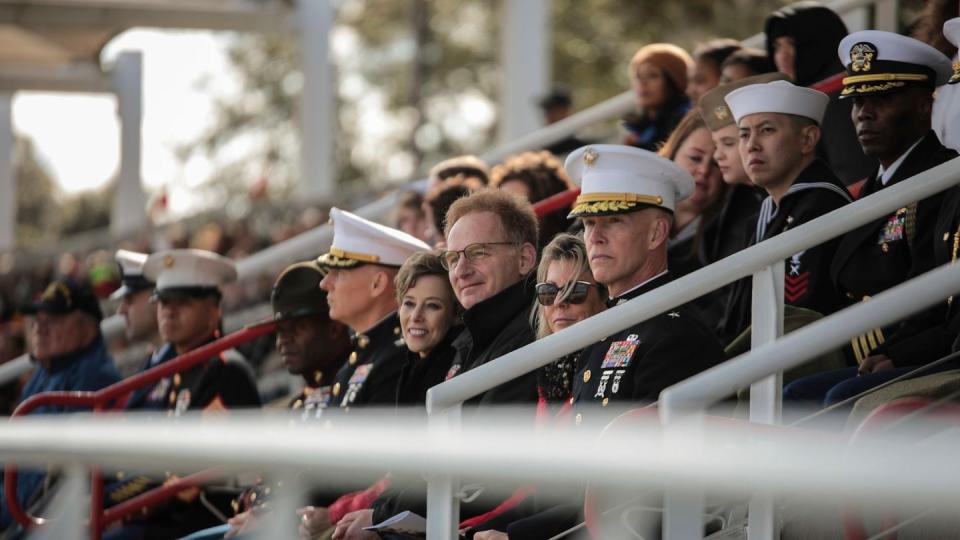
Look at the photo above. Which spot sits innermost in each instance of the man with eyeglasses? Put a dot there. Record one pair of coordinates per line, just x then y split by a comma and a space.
491, 238
626, 204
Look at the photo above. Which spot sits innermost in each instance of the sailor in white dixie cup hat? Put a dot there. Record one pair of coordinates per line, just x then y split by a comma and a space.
946, 108
779, 128
361, 266
627, 200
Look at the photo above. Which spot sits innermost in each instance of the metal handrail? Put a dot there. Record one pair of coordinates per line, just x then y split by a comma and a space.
695, 394
100, 400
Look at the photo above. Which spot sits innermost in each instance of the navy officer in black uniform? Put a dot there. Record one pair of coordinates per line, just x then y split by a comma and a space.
626, 205
361, 266
779, 126
890, 79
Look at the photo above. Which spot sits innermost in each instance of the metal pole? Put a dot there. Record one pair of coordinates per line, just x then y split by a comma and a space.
794, 349
129, 200
443, 508
318, 102
525, 57
766, 395
8, 180
684, 506
886, 15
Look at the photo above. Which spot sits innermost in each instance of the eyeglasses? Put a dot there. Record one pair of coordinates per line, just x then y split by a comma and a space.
473, 253
547, 293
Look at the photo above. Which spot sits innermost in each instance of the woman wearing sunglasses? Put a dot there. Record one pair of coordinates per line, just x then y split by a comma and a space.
566, 295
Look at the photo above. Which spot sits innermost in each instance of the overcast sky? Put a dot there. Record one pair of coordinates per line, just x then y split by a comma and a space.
77, 135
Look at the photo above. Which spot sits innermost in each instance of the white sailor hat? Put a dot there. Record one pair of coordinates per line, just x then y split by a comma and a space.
951, 29
357, 241
777, 97
617, 179
131, 273
884, 62
188, 272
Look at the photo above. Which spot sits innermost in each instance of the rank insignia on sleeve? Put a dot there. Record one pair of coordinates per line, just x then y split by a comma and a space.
620, 353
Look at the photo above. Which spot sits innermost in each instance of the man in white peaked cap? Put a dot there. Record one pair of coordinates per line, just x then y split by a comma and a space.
361, 266
188, 292
626, 203
133, 296
779, 126
946, 108
890, 79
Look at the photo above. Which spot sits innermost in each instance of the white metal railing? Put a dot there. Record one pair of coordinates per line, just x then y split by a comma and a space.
764, 261
335, 453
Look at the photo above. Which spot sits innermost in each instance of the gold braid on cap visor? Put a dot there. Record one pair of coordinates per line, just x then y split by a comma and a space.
889, 80
593, 203
339, 258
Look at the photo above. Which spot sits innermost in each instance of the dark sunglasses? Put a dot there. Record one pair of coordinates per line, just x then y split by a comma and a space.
547, 293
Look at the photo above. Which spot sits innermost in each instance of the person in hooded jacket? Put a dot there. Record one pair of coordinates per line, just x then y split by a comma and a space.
802, 41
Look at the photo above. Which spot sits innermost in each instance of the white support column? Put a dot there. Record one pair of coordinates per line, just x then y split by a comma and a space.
318, 180
766, 396
525, 57
8, 180
886, 15
129, 200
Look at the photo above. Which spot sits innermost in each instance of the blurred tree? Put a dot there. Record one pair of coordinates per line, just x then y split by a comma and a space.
417, 82
85, 211
36, 195
44, 213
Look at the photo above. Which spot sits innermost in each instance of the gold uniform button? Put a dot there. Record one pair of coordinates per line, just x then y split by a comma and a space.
946, 236
353, 358
336, 389
605, 401
396, 331
176, 380
586, 376
884, 248
850, 295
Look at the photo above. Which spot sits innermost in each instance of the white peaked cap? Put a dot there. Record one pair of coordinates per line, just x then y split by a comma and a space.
616, 179
189, 269
357, 241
